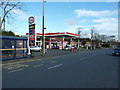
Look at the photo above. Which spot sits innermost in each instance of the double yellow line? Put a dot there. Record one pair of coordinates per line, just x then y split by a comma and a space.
13, 49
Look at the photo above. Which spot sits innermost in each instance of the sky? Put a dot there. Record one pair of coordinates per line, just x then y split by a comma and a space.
68, 17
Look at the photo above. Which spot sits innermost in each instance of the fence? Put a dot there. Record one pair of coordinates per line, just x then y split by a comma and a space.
12, 47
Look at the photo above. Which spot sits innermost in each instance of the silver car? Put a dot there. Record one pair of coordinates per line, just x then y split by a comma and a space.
68, 48
35, 48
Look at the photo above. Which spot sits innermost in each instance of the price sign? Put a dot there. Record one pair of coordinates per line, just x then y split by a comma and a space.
31, 21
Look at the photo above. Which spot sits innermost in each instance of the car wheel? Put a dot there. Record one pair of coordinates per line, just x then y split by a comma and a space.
113, 54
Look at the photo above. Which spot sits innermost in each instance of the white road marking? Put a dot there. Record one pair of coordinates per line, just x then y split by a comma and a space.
38, 65
82, 58
55, 66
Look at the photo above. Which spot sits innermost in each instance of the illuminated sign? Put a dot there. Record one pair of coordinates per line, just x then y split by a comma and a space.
31, 20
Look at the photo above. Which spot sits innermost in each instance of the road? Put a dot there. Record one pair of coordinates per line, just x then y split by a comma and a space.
89, 69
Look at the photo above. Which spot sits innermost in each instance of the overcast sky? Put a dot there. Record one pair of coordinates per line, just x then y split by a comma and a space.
69, 16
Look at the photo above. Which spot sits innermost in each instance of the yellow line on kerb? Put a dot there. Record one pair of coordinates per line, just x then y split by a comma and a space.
21, 48
6, 49
14, 49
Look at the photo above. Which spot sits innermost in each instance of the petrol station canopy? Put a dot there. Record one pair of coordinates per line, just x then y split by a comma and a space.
58, 34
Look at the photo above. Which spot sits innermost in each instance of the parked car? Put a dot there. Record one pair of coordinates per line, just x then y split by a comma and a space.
56, 47
116, 52
52, 47
68, 47
35, 48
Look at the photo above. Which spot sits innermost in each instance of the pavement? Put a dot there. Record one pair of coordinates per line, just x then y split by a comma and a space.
50, 53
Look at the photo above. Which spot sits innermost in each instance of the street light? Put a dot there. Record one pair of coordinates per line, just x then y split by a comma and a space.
0, 24
43, 37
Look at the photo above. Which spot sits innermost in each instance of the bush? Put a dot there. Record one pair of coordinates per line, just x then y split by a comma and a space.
106, 45
8, 33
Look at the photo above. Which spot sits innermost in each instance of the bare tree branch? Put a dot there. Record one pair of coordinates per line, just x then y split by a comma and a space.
13, 6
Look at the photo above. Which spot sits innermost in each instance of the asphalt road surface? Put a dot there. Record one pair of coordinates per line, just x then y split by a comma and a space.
89, 69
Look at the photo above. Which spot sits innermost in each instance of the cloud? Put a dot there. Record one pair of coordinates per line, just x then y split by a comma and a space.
107, 25
105, 20
73, 29
108, 28
77, 26
71, 21
83, 21
91, 13
21, 14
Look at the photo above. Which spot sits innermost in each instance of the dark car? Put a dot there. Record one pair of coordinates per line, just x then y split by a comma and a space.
116, 52
56, 47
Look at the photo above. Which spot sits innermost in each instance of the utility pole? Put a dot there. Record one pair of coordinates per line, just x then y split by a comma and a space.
43, 36
0, 24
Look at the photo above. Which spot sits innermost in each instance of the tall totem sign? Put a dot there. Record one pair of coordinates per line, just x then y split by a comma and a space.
31, 21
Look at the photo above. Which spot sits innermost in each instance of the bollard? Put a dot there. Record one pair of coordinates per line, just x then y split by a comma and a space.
32, 54
45, 50
72, 49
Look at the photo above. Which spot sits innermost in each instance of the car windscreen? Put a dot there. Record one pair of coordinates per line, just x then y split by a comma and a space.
33, 46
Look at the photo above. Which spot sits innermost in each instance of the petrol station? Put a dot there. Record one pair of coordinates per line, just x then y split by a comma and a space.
56, 40
51, 40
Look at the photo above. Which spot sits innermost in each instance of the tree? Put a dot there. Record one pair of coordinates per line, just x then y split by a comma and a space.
79, 33
6, 8
79, 30
92, 36
92, 33
8, 33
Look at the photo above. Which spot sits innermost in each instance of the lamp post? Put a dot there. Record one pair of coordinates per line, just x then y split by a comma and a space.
43, 36
0, 24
